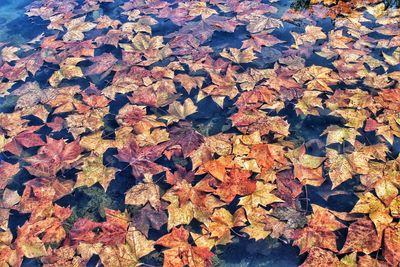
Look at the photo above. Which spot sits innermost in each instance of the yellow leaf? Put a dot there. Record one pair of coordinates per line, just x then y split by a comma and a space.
68, 70
76, 28
8, 53
337, 134
262, 196
256, 231
142, 193
94, 142
94, 171
128, 254
340, 169
178, 111
238, 56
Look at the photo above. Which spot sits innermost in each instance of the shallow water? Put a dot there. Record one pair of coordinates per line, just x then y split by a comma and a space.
15, 27
213, 115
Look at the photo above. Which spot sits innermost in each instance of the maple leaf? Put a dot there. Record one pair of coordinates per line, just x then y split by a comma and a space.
94, 171
141, 159
144, 43
238, 56
249, 121
29, 95
52, 189
12, 123
187, 203
180, 253
350, 99
61, 256
311, 35
94, 142
68, 70
391, 241
307, 168
178, 111
308, 238
112, 232
367, 260
14, 73
317, 78
200, 8
112, 37
159, 94
189, 82
265, 153
52, 157
135, 116
261, 196
127, 253
362, 237
222, 86
219, 228
218, 167
354, 118
76, 28
37, 232
257, 228
62, 99
340, 169
8, 53
149, 218
309, 103
186, 137
320, 257
378, 213
259, 23
319, 232
90, 120
9, 255
141, 194
256, 41
237, 182
289, 188
101, 64
25, 139
105, 22
179, 175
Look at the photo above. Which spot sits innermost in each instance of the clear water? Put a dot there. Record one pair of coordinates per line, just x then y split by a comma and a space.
17, 29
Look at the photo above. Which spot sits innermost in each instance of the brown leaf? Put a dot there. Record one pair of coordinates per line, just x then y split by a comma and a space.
362, 237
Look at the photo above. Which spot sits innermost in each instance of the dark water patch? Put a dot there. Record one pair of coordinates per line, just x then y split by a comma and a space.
94, 261
317, 60
164, 27
31, 262
87, 202
120, 185
221, 40
249, 253
25, 27
18, 181
16, 220
7, 104
342, 202
44, 74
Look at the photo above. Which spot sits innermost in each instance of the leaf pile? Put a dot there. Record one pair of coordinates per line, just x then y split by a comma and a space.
155, 131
